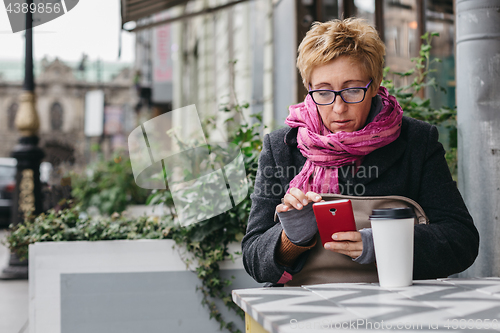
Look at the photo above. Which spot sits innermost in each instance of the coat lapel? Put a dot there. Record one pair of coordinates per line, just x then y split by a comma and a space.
297, 159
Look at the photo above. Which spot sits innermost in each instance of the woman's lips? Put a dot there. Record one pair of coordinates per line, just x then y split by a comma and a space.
341, 122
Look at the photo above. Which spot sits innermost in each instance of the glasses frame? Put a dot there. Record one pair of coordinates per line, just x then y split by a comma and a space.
339, 92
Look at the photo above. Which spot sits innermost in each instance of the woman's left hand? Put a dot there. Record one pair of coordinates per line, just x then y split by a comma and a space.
348, 243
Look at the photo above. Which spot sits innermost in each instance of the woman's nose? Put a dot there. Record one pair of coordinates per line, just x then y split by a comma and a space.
339, 106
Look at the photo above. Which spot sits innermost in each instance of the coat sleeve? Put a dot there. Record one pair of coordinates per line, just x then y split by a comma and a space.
263, 234
450, 242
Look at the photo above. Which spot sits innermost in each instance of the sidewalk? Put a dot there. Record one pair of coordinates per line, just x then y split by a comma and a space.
13, 298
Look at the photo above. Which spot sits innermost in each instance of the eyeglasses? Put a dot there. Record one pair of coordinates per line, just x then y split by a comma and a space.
348, 95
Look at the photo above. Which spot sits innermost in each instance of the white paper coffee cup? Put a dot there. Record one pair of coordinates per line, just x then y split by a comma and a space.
393, 239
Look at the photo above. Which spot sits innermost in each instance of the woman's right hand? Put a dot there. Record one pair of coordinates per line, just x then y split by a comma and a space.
296, 199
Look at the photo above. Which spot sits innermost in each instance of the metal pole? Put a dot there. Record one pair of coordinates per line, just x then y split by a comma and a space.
27, 195
379, 18
29, 82
478, 100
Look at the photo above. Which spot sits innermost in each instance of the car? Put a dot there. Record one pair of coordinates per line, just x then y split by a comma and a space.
7, 186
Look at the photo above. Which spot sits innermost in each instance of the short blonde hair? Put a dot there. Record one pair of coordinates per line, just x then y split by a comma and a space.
352, 37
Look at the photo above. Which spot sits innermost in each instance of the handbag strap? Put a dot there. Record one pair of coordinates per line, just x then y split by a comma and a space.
419, 211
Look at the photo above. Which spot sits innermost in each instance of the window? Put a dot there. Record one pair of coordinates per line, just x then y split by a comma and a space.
56, 116
365, 9
402, 37
440, 19
11, 116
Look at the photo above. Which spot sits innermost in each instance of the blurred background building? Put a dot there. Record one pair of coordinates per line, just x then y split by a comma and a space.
61, 89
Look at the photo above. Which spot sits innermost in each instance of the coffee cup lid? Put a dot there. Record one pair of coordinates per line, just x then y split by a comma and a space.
392, 213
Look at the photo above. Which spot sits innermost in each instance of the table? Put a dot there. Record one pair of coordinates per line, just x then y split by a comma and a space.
428, 305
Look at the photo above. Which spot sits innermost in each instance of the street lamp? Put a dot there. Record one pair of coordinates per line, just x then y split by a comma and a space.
27, 195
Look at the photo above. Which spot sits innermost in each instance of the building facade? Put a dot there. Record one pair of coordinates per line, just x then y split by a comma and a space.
60, 103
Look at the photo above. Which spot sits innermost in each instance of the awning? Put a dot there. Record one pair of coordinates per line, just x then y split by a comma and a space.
133, 10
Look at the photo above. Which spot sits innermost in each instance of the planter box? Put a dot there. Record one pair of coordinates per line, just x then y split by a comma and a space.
140, 210
120, 286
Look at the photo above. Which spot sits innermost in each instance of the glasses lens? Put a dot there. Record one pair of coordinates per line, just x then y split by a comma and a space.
353, 95
323, 97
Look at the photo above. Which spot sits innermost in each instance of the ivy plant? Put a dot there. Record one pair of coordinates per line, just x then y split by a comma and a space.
108, 185
72, 224
207, 241
414, 106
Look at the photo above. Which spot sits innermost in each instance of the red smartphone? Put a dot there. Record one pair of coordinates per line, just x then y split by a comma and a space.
333, 216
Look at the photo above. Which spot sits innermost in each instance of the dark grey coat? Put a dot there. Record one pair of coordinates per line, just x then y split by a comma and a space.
412, 166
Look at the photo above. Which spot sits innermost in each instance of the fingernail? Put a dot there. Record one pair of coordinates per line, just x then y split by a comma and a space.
304, 201
334, 236
299, 206
318, 197
327, 246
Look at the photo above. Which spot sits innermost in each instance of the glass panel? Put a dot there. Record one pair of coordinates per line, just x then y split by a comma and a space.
365, 9
440, 19
401, 36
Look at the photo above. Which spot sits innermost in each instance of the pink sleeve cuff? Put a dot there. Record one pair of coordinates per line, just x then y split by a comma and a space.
285, 278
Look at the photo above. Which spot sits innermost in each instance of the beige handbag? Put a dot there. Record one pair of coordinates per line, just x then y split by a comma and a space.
324, 266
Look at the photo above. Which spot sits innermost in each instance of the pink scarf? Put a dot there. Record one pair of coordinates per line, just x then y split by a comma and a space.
326, 151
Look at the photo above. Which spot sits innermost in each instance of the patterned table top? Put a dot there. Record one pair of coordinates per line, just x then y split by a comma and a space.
428, 305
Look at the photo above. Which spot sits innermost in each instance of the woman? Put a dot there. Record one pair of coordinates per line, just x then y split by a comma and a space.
347, 125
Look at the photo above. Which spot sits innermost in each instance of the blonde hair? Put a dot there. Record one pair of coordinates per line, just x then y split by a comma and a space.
352, 37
